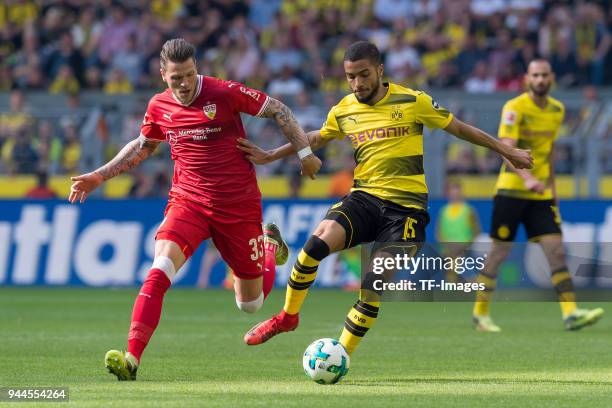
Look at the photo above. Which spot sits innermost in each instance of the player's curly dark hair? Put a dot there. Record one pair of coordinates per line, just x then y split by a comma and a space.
176, 50
362, 50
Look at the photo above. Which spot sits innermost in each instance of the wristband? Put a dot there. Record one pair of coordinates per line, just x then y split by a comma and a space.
304, 152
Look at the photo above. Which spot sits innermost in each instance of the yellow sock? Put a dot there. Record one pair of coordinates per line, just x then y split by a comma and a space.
564, 286
359, 320
483, 297
302, 277
567, 308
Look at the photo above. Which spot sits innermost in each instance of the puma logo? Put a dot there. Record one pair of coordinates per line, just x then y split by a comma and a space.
168, 116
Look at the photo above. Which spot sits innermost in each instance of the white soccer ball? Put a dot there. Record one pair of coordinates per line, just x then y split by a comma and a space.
326, 361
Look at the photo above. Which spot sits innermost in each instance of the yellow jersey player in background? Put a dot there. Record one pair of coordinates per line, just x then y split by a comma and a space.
388, 203
530, 121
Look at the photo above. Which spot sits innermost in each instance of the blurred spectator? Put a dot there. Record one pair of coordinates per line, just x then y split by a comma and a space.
467, 58
447, 76
378, 33
503, 53
461, 159
481, 81
167, 10
49, 147
19, 13
129, 61
65, 54
425, 8
398, 57
65, 82
23, 158
42, 191
71, 149
86, 33
563, 62
243, 59
93, 78
508, 80
13, 123
486, 8
308, 114
116, 31
117, 83
6, 78
287, 84
390, 10
592, 43
152, 79
262, 12
27, 61
283, 55
556, 29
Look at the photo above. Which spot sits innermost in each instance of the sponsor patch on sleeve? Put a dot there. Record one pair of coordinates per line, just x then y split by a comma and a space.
510, 118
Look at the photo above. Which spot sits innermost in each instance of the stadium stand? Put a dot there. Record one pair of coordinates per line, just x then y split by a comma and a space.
75, 75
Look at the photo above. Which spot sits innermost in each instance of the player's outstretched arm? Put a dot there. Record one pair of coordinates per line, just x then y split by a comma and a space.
518, 158
295, 135
129, 157
258, 155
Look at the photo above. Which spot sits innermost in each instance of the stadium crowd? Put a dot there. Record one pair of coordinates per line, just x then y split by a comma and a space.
291, 49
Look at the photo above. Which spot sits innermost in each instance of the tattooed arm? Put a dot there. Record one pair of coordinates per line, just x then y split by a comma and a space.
260, 156
129, 157
294, 133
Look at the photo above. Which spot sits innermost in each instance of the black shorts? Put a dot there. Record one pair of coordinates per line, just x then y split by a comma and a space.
540, 217
366, 218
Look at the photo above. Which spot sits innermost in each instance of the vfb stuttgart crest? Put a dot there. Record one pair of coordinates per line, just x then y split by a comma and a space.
210, 110
171, 137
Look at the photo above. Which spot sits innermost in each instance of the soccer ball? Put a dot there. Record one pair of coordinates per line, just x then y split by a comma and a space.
326, 361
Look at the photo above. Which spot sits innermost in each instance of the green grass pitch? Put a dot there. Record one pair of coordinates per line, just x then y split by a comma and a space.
417, 354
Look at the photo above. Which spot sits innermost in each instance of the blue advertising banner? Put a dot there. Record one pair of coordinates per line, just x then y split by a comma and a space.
111, 243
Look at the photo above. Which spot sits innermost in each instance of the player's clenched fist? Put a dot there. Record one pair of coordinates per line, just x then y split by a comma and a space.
310, 166
520, 159
83, 185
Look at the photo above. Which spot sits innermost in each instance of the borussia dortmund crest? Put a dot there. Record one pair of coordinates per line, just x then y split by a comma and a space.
396, 113
210, 110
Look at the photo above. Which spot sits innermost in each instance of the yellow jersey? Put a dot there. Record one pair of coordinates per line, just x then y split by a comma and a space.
387, 139
533, 128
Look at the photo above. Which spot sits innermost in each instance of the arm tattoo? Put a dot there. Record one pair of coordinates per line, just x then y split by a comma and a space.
287, 122
129, 157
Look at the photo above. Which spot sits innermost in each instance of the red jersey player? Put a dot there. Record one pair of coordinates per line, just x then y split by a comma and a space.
214, 189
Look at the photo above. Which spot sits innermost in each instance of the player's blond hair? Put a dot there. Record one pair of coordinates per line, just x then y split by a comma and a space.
176, 50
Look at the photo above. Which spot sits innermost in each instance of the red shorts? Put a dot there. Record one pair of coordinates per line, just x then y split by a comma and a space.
239, 239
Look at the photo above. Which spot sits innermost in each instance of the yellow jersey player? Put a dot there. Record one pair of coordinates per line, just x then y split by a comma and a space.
384, 123
530, 121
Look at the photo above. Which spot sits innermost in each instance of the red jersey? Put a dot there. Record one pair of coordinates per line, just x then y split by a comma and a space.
208, 167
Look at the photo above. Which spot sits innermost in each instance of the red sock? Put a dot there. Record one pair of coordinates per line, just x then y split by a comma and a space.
147, 311
269, 268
